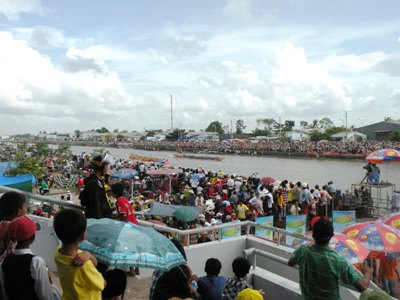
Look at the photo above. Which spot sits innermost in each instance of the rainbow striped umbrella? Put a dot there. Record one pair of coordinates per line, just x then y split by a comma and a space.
383, 155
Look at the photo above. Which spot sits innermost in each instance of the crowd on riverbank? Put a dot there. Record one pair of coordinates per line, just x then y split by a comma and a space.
241, 147
223, 197
264, 147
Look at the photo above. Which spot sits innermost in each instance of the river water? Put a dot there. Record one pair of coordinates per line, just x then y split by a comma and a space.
313, 171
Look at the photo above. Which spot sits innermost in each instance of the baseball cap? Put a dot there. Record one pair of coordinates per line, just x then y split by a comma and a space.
21, 228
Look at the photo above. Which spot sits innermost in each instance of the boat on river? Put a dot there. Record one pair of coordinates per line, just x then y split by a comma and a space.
199, 156
136, 157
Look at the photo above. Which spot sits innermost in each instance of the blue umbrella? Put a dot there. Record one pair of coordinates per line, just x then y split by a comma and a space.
197, 176
123, 244
125, 173
185, 214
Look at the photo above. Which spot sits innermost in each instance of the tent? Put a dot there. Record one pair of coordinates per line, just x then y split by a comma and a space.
163, 210
22, 182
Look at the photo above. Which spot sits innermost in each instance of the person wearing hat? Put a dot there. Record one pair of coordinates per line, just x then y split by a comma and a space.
321, 268
93, 196
24, 275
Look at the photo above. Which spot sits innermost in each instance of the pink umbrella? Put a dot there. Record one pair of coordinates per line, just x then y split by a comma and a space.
268, 180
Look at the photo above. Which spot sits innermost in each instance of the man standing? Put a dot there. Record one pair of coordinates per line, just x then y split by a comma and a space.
388, 274
321, 268
93, 197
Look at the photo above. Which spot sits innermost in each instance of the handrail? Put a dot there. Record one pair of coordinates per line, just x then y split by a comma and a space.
254, 252
31, 197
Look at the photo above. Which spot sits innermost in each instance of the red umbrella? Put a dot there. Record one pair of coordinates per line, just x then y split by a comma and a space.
268, 180
392, 220
377, 237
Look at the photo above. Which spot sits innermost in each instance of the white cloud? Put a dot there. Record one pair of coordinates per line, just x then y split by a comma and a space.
11, 9
39, 95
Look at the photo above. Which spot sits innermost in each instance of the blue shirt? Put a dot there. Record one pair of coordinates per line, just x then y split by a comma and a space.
211, 287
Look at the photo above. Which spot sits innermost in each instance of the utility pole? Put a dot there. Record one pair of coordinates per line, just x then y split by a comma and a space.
172, 118
231, 131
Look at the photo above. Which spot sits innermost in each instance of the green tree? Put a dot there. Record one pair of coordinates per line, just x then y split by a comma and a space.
77, 134
63, 151
270, 126
215, 126
102, 130
26, 164
288, 125
395, 136
176, 135
303, 124
240, 127
326, 123
40, 150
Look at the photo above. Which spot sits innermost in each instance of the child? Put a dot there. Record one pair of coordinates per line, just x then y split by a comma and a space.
12, 205
234, 285
212, 285
124, 209
24, 275
79, 277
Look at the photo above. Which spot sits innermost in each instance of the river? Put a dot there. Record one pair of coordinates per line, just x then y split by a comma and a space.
313, 171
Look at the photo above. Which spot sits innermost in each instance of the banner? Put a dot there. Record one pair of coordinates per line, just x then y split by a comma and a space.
341, 219
295, 224
263, 232
231, 231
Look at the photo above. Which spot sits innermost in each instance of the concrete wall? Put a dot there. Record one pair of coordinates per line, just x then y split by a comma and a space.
226, 251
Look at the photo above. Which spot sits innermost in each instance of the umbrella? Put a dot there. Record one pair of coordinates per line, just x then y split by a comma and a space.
185, 214
392, 220
197, 176
354, 252
123, 244
268, 180
125, 173
383, 155
376, 236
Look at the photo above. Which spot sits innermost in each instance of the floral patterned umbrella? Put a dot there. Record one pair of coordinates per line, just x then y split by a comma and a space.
392, 220
354, 252
377, 237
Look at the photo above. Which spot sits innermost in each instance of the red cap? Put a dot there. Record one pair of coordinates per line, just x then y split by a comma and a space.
313, 220
21, 228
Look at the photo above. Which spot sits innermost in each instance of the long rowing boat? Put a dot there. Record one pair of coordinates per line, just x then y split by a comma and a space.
197, 156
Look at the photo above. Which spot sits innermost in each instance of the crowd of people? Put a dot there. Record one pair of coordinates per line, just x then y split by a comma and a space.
263, 147
222, 198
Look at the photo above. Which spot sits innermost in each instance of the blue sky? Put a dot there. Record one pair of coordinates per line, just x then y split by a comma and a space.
67, 65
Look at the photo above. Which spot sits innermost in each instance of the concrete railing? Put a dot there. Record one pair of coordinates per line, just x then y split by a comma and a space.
49, 199
253, 253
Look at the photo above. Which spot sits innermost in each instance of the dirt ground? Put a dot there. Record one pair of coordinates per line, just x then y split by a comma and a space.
137, 289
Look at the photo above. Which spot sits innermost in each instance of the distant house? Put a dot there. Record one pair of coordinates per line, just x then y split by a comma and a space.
348, 136
90, 135
299, 134
379, 131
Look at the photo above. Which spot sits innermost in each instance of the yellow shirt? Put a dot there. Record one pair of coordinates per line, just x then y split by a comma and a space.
83, 282
241, 211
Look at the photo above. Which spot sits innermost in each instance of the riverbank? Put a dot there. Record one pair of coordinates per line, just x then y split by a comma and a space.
198, 149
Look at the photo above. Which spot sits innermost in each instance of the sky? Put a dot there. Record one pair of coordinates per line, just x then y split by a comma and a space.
68, 65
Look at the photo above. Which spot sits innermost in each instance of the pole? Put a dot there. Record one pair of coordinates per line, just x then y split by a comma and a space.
172, 117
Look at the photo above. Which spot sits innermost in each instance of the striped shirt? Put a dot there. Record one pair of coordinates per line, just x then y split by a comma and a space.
320, 270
